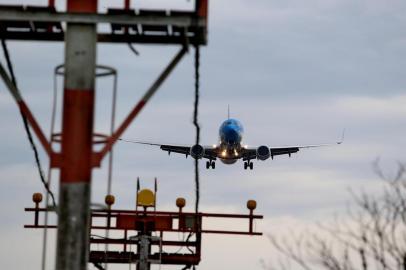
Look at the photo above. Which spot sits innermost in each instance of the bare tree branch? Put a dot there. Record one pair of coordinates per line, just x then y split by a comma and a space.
372, 237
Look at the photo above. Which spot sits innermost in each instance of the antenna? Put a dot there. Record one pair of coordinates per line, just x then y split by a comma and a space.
138, 184
228, 112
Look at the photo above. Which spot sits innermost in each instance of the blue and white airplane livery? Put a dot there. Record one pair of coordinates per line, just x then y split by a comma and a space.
230, 148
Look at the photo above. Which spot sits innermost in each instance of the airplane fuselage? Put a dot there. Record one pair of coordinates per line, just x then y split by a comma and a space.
230, 135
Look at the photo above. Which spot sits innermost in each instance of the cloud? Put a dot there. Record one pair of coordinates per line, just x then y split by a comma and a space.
293, 72
390, 108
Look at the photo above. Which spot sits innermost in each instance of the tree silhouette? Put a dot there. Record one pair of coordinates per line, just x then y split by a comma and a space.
372, 236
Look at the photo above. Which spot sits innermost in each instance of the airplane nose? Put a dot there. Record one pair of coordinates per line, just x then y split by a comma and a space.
231, 135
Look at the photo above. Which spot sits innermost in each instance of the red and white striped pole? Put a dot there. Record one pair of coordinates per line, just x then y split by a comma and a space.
76, 148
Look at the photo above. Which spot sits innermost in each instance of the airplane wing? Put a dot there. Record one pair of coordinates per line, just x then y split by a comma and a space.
209, 151
252, 153
246, 154
288, 150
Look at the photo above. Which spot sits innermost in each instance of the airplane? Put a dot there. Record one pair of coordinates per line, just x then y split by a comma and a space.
230, 149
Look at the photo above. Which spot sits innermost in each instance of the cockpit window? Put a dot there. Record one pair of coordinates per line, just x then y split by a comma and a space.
233, 122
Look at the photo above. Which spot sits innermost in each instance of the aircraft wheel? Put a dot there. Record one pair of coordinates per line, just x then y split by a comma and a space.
251, 165
245, 165
207, 164
213, 165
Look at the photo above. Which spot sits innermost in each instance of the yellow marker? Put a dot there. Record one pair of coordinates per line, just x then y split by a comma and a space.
146, 198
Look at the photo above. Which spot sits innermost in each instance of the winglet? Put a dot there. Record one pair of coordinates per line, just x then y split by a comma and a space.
342, 137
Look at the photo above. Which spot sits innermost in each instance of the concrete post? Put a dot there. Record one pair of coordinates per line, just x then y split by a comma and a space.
76, 149
144, 251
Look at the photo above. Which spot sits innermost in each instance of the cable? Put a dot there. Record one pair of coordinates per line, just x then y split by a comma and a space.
98, 266
9, 65
196, 124
106, 238
26, 126
187, 241
183, 239
133, 49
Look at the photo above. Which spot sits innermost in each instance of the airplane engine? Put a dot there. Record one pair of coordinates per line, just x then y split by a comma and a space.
263, 152
197, 151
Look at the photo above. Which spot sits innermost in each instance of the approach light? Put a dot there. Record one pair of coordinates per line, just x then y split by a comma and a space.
251, 205
37, 197
109, 200
180, 202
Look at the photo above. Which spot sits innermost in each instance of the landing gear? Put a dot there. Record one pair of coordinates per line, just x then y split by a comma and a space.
211, 164
248, 164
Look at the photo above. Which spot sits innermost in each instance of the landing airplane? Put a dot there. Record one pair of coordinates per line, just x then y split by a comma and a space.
230, 149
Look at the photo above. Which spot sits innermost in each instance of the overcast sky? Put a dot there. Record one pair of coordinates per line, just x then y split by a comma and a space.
294, 72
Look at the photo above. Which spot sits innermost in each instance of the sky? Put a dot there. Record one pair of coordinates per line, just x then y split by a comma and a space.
293, 72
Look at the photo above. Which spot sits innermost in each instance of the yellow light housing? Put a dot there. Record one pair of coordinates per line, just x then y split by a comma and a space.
146, 198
